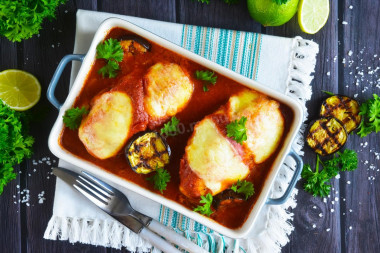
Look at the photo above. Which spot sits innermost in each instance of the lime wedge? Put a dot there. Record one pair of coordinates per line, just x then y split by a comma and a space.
313, 15
19, 89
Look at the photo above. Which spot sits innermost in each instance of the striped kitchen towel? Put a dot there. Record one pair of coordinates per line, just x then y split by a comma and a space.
284, 64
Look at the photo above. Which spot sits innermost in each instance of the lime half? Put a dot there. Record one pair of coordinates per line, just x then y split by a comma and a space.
313, 15
19, 89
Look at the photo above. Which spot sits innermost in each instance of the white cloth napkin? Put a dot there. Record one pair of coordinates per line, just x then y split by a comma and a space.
283, 64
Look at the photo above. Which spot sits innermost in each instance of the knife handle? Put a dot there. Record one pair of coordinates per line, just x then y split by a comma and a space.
175, 238
157, 241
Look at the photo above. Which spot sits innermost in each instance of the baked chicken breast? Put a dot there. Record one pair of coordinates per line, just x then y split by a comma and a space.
213, 162
106, 128
167, 90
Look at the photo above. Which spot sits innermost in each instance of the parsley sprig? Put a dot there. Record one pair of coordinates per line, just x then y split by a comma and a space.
207, 76
21, 19
113, 53
317, 182
160, 179
15, 143
206, 208
171, 127
245, 187
370, 111
237, 130
73, 117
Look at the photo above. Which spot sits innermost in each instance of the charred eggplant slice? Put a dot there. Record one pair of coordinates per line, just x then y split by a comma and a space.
147, 151
326, 136
227, 197
345, 109
134, 44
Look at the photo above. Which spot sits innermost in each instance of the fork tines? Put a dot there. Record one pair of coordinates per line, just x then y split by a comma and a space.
96, 191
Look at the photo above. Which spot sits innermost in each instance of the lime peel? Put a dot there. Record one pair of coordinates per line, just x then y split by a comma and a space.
19, 90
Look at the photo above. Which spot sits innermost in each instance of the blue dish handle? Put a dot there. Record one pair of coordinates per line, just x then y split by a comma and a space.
57, 75
292, 182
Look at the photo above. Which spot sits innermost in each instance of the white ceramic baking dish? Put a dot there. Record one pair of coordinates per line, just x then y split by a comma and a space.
88, 61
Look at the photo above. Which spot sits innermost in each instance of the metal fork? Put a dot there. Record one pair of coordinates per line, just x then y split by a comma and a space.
117, 205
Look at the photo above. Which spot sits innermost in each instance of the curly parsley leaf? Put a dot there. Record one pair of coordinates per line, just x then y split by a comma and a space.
206, 76
206, 208
15, 143
73, 117
236, 129
111, 51
110, 69
170, 128
160, 179
348, 160
245, 187
21, 19
370, 111
316, 182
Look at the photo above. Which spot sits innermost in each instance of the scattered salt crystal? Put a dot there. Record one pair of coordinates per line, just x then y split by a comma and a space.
324, 200
328, 73
314, 226
328, 230
350, 7
344, 23
27, 204
350, 53
332, 210
314, 207
17, 186
320, 215
337, 176
333, 202
344, 60
52, 46
348, 182
336, 198
350, 210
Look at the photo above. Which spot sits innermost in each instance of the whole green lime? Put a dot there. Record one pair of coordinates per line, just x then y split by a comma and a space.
272, 12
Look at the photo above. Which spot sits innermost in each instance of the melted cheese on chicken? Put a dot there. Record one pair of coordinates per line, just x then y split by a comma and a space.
167, 90
213, 158
265, 123
105, 130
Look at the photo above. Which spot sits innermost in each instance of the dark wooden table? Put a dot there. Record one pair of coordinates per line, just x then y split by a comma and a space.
350, 219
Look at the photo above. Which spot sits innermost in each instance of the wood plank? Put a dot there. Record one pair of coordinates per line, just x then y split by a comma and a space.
10, 211
325, 237
360, 220
216, 14
41, 56
159, 10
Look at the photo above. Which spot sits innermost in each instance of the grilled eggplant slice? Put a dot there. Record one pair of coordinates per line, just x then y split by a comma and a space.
345, 109
326, 136
133, 44
227, 197
147, 152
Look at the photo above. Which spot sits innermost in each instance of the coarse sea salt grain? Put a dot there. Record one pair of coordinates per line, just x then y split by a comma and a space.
336, 198
328, 230
314, 226
350, 53
344, 23
350, 7
320, 215
348, 182
332, 210
328, 73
